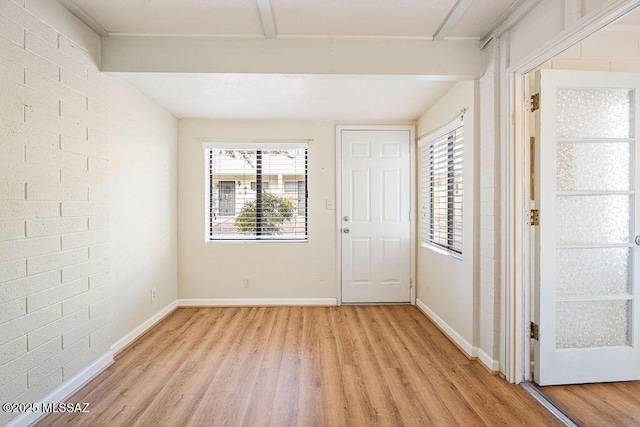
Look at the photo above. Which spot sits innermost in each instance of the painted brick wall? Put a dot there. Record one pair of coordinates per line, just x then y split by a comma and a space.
54, 267
616, 48
489, 289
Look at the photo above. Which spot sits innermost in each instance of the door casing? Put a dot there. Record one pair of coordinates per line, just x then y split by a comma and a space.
412, 203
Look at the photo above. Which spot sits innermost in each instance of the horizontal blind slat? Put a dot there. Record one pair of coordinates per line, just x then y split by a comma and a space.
441, 188
234, 204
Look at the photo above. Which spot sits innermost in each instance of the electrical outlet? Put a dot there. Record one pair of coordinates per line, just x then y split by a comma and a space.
153, 294
246, 282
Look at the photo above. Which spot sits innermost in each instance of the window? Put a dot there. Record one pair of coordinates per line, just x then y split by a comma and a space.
249, 191
265, 185
291, 187
441, 187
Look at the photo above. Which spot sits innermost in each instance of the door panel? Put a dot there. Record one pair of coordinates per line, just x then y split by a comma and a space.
376, 252
227, 198
586, 290
360, 195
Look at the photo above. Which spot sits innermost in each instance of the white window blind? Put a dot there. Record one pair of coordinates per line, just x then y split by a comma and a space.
249, 196
441, 187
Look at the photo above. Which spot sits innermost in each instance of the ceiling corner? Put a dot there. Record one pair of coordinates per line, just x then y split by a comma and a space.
72, 7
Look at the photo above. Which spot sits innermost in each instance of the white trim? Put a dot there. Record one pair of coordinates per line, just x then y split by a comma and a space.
451, 333
263, 144
64, 390
119, 345
492, 364
569, 37
338, 206
266, 16
413, 204
452, 19
79, 13
508, 19
441, 250
249, 302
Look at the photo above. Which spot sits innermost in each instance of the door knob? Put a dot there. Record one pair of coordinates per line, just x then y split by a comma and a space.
345, 230
638, 240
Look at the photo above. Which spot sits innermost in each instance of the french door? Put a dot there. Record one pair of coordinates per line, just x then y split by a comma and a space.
587, 259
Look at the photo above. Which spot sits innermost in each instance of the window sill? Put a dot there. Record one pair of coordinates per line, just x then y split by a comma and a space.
441, 251
245, 241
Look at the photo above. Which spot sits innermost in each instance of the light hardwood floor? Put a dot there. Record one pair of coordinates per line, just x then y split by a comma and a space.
307, 366
608, 404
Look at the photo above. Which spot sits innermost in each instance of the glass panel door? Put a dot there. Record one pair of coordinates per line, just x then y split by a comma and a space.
585, 251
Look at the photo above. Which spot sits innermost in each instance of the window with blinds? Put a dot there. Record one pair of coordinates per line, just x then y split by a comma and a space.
250, 194
441, 187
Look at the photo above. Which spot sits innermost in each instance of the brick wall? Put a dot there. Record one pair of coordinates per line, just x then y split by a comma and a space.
489, 289
54, 267
615, 48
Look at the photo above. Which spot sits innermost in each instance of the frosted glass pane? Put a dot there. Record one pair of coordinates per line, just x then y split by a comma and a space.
592, 219
597, 166
589, 272
583, 324
594, 113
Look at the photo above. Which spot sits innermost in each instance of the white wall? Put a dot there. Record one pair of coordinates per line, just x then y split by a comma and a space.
53, 178
447, 285
142, 206
615, 48
56, 290
276, 270
489, 326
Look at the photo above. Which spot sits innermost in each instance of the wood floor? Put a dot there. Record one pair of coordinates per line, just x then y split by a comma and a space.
607, 404
307, 366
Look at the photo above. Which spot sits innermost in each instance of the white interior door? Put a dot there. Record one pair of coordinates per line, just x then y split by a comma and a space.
586, 295
375, 226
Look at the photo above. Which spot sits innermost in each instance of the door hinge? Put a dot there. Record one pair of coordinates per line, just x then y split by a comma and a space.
534, 331
410, 283
535, 102
534, 218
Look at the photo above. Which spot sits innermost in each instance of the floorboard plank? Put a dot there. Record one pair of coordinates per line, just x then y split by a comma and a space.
611, 404
305, 366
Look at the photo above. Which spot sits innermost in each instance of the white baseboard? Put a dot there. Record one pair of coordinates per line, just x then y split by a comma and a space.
492, 364
228, 302
65, 390
454, 336
141, 329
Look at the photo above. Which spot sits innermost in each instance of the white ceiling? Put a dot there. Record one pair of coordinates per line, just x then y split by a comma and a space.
339, 99
294, 18
197, 17
261, 96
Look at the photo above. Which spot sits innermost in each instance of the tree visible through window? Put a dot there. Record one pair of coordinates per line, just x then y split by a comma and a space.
249, 193
441, 187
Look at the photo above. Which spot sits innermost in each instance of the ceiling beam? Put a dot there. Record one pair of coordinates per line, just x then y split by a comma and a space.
452, 19
84, 17
266, 14
508, 19
448, 60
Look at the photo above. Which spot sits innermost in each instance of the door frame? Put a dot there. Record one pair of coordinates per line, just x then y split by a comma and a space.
412, 200
514, 187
